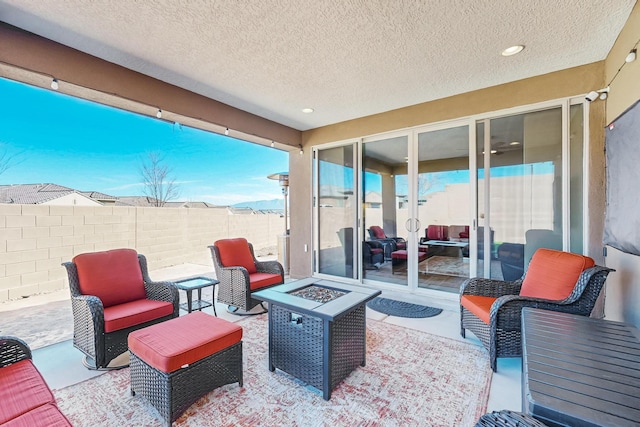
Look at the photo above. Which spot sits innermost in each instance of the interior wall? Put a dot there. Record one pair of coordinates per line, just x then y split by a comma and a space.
560, 84
36, 60
623, 286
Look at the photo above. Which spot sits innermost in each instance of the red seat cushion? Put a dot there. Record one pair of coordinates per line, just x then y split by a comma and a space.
261, 280
378, 232
46, 415
478, 305
401, 245
402, 254
113, 276
236, 253
552, 274
376, 250
22, 389
133, 313
169, 345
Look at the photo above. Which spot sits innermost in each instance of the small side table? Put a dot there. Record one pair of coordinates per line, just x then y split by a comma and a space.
198, 283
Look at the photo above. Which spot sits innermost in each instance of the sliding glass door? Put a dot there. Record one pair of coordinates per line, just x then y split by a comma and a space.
520, 190
385, 212
443, 200
428, 207
336, 211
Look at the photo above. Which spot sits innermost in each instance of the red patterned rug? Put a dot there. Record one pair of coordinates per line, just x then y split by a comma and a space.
411, 378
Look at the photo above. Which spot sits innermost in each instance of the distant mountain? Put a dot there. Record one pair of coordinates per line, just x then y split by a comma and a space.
261, 205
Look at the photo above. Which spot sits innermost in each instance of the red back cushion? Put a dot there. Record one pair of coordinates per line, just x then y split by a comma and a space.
113, 276
553, 274
236, 253
378, 232
438, 232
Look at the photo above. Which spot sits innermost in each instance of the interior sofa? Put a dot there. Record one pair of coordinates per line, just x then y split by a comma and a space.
25, 398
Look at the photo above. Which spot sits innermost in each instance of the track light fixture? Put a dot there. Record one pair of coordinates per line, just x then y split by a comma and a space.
159, 113
301, 150
273, 144
54, 84
631, 56
226, 131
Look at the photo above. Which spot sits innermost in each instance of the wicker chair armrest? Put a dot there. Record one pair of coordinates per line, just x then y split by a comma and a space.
91, 306
12, 350
228, 274
506, 310
272, 267
399, 239
162, 291
489, 287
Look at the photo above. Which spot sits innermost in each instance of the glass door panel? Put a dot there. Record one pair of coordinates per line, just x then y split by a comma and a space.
443, 205
336, 210
521, 182
385, 209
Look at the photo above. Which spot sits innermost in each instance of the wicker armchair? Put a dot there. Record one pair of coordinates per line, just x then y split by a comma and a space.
491, 309
240, 274
111, 296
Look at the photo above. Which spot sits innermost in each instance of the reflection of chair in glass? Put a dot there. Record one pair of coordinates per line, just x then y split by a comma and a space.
240, 273
390, 244
511, 257
481, 243
346, 240
111, 296
540, 238
372, 254
372, 250
555, 280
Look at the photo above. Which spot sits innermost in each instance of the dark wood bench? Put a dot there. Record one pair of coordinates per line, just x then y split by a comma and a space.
579, 371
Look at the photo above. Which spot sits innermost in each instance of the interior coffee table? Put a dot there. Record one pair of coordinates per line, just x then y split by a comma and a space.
460, 245
317, 330
198, 283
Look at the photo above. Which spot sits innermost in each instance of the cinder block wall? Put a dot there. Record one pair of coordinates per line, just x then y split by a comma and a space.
36, 239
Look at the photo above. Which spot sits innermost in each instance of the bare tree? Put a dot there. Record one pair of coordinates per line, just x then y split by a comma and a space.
7, 159
158, 185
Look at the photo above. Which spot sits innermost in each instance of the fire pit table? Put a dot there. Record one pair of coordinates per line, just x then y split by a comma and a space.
317, 330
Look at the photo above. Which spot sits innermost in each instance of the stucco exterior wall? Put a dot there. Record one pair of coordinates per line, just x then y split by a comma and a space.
560, 84
36, 239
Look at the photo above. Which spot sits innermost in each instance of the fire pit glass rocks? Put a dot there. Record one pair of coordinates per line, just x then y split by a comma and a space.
318, 294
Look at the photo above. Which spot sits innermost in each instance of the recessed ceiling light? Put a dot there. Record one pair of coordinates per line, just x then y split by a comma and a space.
512, 50
307, 110
514, 143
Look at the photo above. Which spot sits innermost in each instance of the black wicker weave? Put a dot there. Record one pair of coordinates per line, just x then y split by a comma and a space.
172, 393
233, 288
502, 336
506, 418
319, 352
13, 350
88, 318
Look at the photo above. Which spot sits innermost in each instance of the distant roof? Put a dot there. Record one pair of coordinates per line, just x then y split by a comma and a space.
29, 194
33, 194
96, 195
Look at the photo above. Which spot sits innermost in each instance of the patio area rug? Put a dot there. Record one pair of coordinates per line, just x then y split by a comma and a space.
411, 378
447, 265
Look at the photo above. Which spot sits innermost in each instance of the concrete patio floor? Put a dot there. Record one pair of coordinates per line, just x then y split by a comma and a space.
61, 364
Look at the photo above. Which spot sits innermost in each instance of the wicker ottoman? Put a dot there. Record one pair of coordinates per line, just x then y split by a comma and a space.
176, 362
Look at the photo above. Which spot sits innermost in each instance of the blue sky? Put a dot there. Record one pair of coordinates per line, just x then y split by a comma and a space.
91, 147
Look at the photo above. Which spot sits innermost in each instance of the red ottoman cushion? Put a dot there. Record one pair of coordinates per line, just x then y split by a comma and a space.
169, 345
402, 254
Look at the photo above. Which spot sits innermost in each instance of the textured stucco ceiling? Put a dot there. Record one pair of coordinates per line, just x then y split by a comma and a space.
344, 58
